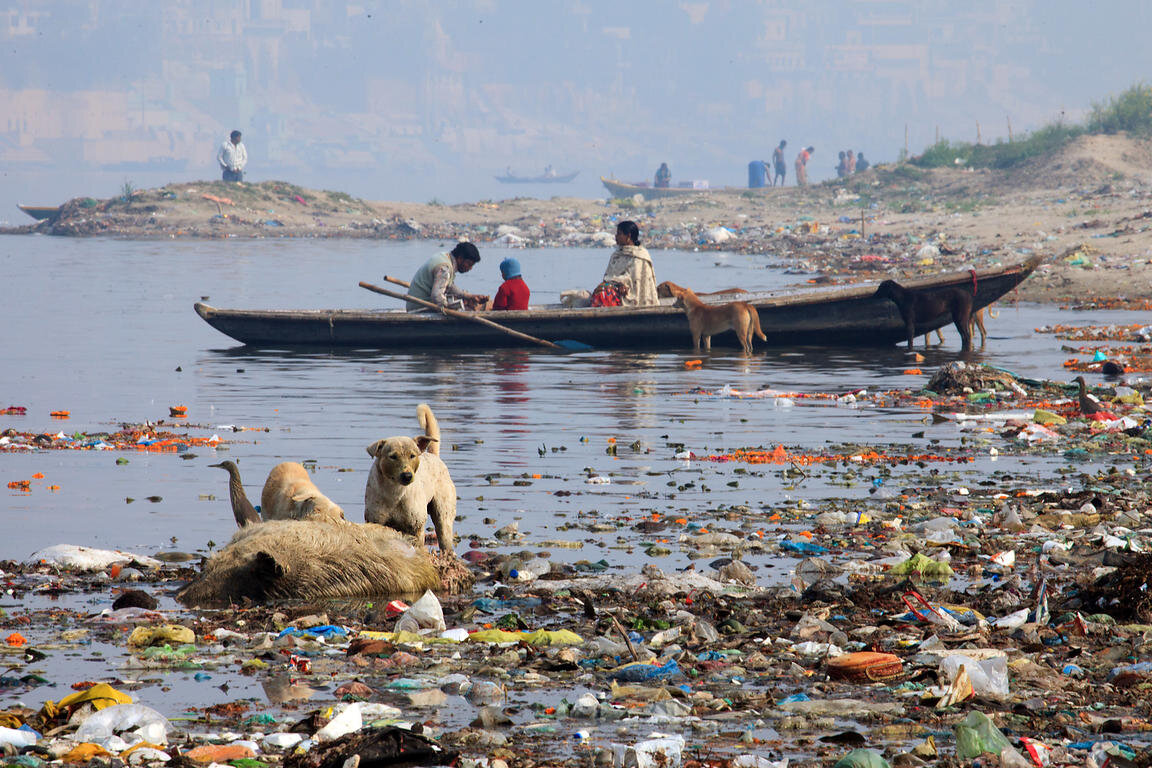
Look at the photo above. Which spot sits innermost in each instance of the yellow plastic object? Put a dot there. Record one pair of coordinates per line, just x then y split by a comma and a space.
172, 634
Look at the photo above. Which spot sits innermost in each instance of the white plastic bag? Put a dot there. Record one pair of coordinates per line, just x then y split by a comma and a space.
662, 752
989, 676
425, 613
144, 722
348, 721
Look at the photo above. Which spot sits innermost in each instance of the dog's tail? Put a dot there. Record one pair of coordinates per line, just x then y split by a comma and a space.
430, 427
755, 317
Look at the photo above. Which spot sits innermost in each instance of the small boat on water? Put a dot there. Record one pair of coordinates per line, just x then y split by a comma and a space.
842, 316
545, 178
40, 212
649, 192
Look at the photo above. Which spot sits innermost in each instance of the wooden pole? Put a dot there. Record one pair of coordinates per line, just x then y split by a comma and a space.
397, 281
459, 314
905, 141
977, 131
1009, 118
861, 223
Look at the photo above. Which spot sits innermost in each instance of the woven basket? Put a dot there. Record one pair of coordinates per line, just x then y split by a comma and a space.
865, 667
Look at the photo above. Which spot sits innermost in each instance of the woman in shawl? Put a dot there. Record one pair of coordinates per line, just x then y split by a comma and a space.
629, 280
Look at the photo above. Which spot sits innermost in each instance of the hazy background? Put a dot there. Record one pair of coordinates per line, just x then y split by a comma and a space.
415, 100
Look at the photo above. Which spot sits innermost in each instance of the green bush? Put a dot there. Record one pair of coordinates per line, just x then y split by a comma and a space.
1001, 154
1130, 111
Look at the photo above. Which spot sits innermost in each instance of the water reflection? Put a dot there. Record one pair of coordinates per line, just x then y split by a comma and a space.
121, 344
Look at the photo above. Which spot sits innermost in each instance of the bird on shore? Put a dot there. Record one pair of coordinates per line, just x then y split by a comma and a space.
1088, 406
242, 509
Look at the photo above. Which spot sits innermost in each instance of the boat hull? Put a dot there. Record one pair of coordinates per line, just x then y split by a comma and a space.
622, 189
41, 212
538, 179
847, 316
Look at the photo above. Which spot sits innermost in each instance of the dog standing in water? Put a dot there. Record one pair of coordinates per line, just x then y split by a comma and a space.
705, 320
928, 304
977, 324
408, 483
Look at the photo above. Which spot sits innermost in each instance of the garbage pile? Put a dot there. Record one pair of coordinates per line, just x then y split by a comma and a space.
924, 621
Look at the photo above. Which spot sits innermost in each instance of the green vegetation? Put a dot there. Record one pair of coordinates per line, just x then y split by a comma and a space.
127, 190
1131, 111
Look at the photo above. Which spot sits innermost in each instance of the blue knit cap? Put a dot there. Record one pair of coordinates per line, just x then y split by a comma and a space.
509, 268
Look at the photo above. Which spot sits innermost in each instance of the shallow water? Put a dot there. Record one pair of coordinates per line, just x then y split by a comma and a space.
100, 327
105, 329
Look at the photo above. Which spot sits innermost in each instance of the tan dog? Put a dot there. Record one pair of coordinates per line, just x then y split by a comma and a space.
704, 320
290, 494
669, 289
408, 483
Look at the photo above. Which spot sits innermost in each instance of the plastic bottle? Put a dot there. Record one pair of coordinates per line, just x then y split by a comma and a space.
17, 737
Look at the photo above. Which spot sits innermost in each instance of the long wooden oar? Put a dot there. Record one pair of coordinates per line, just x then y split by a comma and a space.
459, 314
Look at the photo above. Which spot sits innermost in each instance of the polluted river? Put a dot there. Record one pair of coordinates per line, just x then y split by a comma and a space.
677, 546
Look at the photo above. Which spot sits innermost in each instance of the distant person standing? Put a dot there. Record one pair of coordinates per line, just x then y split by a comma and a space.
862, 164
757, 174
778, 163
802, 166
663, 176
233, 157
851, 158
842, 166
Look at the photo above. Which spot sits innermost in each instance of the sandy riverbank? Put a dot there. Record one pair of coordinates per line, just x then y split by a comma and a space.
889, 221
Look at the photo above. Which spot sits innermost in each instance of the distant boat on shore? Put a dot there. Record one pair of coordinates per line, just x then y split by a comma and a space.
153, 164
543, 178
40, 212
649, 192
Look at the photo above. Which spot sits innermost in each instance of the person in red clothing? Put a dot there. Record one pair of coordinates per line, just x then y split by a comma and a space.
513, 293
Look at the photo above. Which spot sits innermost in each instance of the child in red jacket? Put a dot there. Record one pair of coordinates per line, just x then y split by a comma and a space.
513, 294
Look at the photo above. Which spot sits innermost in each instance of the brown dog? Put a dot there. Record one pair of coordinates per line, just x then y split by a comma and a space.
290, 494
408, 483
929, 304
704, 320
669, 289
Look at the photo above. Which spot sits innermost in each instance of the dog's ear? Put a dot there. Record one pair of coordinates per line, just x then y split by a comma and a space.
305, 503
423, 441
375, 448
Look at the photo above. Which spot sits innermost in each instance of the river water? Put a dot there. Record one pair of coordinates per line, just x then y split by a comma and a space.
105, 330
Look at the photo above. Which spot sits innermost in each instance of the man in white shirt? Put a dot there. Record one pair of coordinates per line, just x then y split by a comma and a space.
232, 158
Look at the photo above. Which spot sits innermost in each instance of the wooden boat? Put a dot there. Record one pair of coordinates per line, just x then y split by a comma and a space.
624, 189
40, 212
841, 316
542, 179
